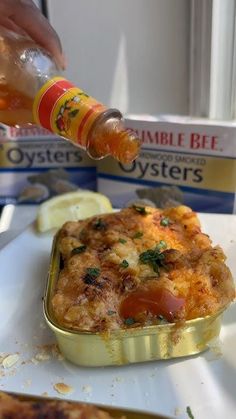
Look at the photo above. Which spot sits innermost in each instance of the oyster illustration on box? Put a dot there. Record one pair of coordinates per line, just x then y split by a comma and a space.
162, 196
43, 185
33, 193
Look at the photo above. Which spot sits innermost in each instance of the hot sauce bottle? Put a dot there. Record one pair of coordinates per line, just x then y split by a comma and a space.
31, 91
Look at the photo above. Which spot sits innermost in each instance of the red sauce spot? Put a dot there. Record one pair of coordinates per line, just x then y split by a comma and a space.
152, 299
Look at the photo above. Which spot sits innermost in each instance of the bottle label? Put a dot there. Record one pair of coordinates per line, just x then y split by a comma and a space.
66, 110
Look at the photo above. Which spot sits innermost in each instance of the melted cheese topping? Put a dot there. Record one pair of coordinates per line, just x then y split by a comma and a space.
139, 266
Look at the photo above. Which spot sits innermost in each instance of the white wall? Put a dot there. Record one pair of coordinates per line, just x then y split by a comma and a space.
131, 54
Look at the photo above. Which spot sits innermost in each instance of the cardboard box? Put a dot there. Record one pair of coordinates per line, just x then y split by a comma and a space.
182, 160
35, 165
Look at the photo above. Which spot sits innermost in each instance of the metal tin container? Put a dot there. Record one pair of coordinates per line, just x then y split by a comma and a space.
124, 346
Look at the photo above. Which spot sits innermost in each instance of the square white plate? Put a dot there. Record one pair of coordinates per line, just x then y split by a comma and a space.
206, 383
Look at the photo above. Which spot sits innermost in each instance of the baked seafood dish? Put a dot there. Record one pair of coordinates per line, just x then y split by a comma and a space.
138, 267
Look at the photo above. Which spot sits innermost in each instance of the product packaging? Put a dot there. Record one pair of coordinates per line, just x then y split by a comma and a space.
36, 165
182, 161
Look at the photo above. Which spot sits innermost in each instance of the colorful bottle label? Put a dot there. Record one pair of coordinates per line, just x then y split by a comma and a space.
66, 110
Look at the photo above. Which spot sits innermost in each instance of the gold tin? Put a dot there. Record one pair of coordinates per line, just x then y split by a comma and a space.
125, 346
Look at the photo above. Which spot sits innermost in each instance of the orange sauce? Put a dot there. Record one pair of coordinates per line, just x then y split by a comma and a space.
15, 107
122, 145
155, 300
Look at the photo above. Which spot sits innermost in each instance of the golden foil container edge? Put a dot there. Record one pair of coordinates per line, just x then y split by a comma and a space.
132, 345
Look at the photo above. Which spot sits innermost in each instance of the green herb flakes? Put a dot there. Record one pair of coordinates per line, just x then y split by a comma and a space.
93, 272
78, 250
138, 235
111, 312
122, 241
165, 222
91, 275
141, 210
189, 412
154, 257
99, 224
129, 321
162, 319
161, 245
124, 264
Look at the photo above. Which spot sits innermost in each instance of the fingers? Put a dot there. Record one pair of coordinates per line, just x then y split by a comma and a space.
25, 15
8, 24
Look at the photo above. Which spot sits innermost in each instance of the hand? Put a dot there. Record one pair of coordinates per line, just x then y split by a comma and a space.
23, 16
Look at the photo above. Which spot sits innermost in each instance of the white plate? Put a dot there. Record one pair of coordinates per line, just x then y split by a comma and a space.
206, 383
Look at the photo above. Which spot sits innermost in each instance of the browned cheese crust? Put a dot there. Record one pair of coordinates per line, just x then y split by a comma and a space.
13, 408
111, 261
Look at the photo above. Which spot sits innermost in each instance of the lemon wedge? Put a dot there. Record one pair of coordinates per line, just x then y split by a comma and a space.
71, 206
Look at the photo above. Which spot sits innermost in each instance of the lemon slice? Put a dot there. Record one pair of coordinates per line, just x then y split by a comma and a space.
71, 206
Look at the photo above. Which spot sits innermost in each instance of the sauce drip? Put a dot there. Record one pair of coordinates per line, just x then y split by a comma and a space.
152, 299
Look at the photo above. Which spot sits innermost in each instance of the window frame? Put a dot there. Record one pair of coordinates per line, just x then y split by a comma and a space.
213, 59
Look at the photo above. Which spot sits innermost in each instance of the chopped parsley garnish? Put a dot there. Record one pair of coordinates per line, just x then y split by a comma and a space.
78, 250
154, 257
162, 319
189, 412
111, 312
91, 275
138, 235
165, 222
123, 241
141, 210
93, 272
161, 245
124, 264
129, 321
99, 224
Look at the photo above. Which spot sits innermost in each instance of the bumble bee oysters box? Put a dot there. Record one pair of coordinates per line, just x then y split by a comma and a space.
35, 165
182, 161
